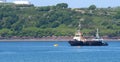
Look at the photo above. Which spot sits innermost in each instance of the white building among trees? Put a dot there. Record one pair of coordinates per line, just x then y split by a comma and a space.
26, 2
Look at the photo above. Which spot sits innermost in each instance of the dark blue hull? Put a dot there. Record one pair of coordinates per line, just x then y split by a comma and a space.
87, 43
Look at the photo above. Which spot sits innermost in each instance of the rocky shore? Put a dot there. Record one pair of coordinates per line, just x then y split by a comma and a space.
53, 38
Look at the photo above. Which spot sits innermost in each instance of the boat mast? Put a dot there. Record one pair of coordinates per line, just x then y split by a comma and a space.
79, 27
97, 34
78, 35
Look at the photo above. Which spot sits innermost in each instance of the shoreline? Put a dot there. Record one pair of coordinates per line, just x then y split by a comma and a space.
53, 38
39, 40
50, 39
46, 40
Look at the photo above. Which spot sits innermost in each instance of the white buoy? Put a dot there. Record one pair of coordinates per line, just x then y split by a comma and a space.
55, 45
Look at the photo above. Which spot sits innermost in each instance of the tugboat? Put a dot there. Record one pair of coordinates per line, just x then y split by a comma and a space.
79, 40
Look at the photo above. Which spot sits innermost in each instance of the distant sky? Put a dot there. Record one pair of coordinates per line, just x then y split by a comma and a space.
76, 3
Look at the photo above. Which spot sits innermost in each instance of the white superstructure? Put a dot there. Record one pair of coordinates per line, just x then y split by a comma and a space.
78, 35
21, 2
97, 38
2, 1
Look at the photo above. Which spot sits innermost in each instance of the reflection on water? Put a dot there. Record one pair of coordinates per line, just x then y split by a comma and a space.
62, 52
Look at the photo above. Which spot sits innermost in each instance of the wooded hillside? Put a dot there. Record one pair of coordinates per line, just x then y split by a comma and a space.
58, 20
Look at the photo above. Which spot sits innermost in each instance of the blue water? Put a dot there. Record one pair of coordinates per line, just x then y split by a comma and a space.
46, 52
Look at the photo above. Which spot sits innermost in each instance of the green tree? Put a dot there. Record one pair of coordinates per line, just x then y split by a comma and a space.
62, 5
5, 32
92, 7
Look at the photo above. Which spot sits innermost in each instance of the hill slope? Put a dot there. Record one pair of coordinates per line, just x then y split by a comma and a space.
59, 20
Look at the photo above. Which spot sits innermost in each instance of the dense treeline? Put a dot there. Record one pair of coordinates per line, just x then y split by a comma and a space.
58, 20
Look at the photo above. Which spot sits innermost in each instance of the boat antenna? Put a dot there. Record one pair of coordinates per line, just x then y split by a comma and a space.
79, 26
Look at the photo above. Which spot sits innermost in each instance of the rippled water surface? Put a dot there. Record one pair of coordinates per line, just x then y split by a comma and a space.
47, 52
